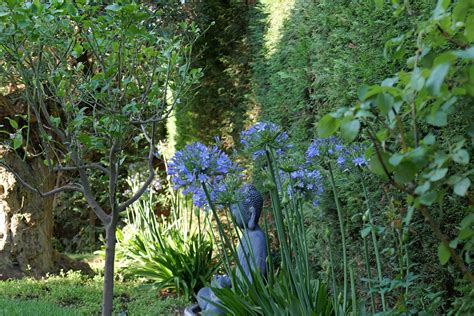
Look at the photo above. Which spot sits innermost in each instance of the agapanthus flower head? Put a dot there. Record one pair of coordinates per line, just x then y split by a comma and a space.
351, 156
263, 134
305, 182
198, 164
358, 155
325, 147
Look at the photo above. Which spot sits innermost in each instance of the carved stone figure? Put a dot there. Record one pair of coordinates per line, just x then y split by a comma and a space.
251, 252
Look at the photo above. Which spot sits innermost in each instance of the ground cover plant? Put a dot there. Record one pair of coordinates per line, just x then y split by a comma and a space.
74, 294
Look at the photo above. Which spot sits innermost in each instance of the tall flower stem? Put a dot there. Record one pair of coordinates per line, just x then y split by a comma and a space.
374, 242
353, 291
343, 235
369, 274
333, 276
225, 241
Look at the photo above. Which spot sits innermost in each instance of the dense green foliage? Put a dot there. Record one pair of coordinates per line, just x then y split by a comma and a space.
74, 294
315, 60
395, 78
321, 53
219, 105
174, 252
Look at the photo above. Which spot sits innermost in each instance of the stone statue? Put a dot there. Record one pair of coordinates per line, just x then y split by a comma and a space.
251, 252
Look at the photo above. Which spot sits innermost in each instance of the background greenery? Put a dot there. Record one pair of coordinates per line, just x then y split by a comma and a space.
292, 62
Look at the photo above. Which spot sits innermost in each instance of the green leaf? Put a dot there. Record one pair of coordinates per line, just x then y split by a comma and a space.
429, 139
362, 92
71, 9
428, 198
417, 80
465, 54
385, 102
409, 215
113, 7
376, 166
469, 28
328, 125
467, 221
365, 231
438, 174
443, 254
466, 233
405, 172
396, 159
439, 119
350, 130
436, 78
454, 243
461, 156
440, 9
17, 141
460, 188
423, 188
13, 123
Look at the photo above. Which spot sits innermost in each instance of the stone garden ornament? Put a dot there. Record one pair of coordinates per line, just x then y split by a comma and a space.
251, 252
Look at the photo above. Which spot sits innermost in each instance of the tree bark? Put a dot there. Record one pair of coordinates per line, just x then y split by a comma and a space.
26, 219
108, 296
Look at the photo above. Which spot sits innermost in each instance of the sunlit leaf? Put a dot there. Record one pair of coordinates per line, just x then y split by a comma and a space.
443, 254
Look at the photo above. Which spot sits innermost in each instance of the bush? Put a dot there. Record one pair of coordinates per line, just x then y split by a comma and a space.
174, 252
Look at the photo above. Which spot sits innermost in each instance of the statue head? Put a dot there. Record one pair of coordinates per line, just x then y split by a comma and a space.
247, 211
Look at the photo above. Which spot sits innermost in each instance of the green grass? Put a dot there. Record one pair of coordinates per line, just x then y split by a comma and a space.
74, 294
20, 307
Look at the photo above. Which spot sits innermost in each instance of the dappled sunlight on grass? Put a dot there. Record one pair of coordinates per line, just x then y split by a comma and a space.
71, 293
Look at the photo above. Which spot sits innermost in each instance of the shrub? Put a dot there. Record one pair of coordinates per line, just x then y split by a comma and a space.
175, 252
290, 288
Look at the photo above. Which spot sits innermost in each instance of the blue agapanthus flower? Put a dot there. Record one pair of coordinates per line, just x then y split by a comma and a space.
358, 155
331, 147
325, 147
257, 137
198, 164
304, 182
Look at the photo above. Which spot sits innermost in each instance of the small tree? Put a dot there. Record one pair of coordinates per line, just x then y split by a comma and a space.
97, 80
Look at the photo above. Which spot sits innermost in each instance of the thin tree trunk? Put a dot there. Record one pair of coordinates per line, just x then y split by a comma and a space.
108, 297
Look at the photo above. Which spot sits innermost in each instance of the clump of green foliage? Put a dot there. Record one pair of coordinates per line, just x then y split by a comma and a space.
74, 294
323, 53
288, 288
419, 127
174, 252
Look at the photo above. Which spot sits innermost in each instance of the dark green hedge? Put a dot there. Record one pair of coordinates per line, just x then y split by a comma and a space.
327, 50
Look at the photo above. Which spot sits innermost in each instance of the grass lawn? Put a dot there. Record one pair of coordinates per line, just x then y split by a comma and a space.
73, 294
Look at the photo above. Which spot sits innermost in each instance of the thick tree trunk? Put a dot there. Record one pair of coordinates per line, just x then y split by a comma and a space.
26, 219
108, 296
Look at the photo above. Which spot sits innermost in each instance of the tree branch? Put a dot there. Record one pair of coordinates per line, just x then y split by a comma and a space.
86, 166
99, 211
113, 178
150, 178
68, 187
444, 239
